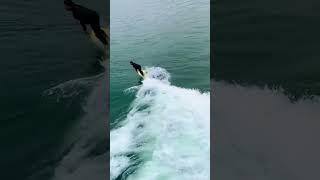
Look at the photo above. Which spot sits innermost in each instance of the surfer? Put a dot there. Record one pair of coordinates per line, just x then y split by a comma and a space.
137, 67
87, 17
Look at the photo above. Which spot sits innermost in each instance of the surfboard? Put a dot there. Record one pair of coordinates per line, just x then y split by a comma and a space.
96, 41
144, 72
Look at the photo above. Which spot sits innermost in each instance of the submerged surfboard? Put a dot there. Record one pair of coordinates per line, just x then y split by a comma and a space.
96, 41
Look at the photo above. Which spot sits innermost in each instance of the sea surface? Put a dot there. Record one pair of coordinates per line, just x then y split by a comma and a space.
160, 125
53, 94
266, 79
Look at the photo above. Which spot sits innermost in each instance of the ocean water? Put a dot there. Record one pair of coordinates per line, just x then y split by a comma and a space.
156, 133
266, 83
53, 94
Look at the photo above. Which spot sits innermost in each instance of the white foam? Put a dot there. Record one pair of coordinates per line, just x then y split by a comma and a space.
84, 141
261, 135
168, 130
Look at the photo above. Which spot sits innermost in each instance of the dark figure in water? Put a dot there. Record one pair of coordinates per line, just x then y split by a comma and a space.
86, 17
137, 67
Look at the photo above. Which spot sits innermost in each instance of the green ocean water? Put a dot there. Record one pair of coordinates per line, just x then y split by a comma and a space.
266, 79
273, 44
173, 36
43, 48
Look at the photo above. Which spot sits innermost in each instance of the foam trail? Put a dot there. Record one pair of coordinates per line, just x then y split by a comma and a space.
77, 87
88, 155
87, 142
73, 88
261, 134
166, 133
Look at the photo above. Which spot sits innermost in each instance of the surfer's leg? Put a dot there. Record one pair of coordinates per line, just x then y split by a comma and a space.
100, 34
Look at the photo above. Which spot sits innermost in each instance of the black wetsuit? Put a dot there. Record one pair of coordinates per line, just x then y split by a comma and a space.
137, 67
88, 16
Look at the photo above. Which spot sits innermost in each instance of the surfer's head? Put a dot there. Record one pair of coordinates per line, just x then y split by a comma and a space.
131, 62
68, 4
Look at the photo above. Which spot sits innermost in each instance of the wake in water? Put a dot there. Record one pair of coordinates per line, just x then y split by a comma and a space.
73, 88
85, 146
261, 134
165, 135
77, 87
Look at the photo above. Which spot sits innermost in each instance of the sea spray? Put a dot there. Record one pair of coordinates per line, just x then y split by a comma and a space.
166, 133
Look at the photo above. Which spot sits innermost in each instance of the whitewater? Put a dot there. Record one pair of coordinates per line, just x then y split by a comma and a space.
164, 135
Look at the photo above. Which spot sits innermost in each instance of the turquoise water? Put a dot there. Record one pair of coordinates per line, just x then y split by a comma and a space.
266, 68
171, 40
172, 35
42, 49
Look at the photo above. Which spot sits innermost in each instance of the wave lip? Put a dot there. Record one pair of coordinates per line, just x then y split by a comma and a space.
166, 133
